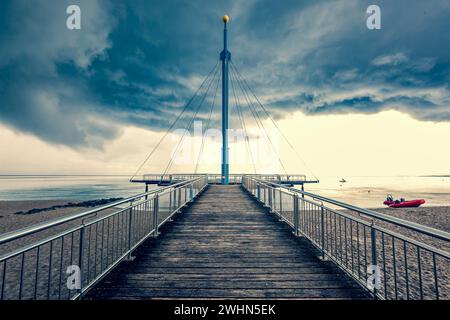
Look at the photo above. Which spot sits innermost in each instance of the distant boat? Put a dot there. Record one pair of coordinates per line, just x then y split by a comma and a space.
402, 203
342, 180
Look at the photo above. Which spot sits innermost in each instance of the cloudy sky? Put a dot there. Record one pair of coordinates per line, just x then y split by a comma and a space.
352, 101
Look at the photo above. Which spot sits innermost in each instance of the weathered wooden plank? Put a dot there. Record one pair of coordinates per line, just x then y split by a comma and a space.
223, 255
229, 265
310, 269
223, 259
227, 277
231, 284
204, 251
146, 293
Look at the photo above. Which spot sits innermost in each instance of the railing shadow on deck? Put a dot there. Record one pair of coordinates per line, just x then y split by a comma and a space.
65, 257
390, 257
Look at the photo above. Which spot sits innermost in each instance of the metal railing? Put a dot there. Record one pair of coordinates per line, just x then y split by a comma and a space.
390, 257
216, 178
169, 178
64, 258
237, 178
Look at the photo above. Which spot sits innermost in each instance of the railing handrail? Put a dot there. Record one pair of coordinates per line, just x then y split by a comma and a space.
13, 235
218, 174
440, 234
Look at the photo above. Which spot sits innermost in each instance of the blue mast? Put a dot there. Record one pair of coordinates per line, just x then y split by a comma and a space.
225, 56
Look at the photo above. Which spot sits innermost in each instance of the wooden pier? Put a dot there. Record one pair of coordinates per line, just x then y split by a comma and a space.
226, 245
218, 239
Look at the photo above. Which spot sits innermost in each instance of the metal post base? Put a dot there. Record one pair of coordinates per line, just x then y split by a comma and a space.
156, 235
130, 258
323, 258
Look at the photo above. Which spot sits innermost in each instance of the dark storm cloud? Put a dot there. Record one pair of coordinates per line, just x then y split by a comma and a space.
137, 62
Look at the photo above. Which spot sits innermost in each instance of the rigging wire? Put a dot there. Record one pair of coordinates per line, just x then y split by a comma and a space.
207, 126
242, 121
237, 82
190, 124
271, 118
176, 120
260, 123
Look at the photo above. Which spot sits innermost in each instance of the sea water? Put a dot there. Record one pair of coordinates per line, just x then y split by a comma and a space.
370, 191
367, 192
67, 187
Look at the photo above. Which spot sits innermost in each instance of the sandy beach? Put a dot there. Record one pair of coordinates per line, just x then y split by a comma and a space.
435, 217
10, 220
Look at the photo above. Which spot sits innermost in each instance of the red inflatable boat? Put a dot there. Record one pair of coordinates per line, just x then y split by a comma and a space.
402, 203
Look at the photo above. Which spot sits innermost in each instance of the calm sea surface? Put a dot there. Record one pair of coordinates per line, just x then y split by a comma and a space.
370, 192
361, 191
66, 187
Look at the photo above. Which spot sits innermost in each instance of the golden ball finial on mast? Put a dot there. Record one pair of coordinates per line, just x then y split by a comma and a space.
226, 19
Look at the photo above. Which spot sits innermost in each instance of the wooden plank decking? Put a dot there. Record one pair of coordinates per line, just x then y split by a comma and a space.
226, 246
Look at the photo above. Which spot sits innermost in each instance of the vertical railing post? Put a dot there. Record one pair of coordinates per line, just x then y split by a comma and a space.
175, 198
374, 267
170, 202
269, 190
146, 200
170, 211
281, 203
296, 215
274, 199
155, 215
191, 193
258, 192
130, 230
179, 197
322, 231
81, 260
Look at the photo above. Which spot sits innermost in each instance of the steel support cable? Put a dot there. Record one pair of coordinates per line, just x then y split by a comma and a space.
175, 122
255, 114
273, 121
241, 119
207, 126
190, 124
260, 123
